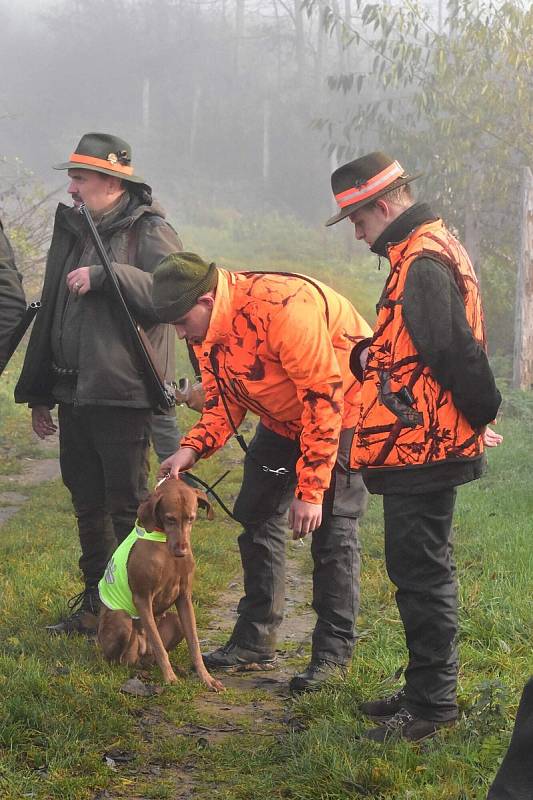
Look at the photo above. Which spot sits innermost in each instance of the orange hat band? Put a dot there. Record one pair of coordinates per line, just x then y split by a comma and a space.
104, 163
375, 184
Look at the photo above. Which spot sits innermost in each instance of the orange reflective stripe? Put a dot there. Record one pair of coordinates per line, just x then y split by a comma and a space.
101, 162
379, 181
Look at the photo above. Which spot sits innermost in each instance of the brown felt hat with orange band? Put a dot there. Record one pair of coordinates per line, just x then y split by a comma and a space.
362, 181
103, 152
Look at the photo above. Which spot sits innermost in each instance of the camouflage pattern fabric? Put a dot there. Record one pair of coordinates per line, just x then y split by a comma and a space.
281, 347
407, 418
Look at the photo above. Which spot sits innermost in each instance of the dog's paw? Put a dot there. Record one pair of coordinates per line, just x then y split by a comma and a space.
212, 683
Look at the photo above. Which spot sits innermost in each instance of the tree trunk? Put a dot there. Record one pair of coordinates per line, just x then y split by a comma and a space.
194, 122
146, 104
523, 339
333, 164
266, 143
239, 31
300, 44
472, 231
339, 36
319, 77
348, 12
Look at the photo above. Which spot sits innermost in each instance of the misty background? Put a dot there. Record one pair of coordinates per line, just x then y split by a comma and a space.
238, 110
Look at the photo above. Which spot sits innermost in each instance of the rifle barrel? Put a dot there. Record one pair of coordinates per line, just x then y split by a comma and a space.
163, 397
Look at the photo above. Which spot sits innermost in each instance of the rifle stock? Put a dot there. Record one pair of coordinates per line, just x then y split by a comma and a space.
161, 393
20, 330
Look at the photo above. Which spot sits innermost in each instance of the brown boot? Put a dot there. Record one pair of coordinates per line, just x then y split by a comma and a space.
383, 709
404, 725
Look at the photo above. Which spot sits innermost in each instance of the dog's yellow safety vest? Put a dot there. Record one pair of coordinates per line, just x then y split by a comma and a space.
114, 589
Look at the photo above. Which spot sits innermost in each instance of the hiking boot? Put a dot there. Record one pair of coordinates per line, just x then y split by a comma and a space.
83, 620
315, 676
239, 659
404, 725
383, 709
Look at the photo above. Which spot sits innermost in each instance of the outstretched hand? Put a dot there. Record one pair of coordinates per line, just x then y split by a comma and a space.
491, 438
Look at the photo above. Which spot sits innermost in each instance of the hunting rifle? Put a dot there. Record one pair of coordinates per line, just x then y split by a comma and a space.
160, 391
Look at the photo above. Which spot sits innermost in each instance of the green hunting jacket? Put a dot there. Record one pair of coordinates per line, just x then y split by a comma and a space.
85, 333
12, 301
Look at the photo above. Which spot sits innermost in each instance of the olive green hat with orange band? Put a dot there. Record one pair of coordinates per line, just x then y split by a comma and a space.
103, 152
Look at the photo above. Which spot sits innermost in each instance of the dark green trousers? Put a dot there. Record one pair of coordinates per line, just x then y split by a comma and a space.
261, 507
103, 459
418, 551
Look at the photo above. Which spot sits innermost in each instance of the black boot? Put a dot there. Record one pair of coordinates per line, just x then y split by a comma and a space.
315, 676
232, 656
83, 619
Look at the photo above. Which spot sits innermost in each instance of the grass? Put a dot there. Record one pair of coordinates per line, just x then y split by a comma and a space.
16, 439
62, 710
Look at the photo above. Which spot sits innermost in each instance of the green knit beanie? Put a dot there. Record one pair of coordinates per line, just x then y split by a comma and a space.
179, 280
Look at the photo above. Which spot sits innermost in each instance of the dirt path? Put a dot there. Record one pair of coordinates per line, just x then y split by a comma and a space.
259, 703
33, 471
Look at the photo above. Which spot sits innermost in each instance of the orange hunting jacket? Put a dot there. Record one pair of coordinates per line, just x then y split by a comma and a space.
407, 418
281, 345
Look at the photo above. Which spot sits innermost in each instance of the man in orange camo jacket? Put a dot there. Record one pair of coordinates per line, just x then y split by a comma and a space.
278, 345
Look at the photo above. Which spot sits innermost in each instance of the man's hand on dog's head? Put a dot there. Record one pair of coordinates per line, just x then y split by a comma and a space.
182, 460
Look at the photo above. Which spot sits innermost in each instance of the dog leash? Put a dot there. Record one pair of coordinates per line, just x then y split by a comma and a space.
209, 489
280, 472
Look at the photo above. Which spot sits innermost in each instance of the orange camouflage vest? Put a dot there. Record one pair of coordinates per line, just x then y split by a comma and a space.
280, 345
407, 418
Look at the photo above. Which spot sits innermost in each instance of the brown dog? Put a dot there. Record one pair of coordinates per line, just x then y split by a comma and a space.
159, 575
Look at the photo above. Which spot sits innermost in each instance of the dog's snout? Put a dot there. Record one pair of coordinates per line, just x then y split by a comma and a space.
178, 548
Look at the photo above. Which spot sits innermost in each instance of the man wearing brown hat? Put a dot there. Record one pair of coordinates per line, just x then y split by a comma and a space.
12, 300
278, 345
81, 357
428, 393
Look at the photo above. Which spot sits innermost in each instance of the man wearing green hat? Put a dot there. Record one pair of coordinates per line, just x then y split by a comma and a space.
12, 301
277, 345
81, 358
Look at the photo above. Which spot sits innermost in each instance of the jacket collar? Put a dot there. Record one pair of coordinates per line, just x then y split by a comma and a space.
402, 227
220, 323
123, 215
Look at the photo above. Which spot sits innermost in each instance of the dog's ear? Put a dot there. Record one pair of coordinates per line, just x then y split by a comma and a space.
203, 502
147, 512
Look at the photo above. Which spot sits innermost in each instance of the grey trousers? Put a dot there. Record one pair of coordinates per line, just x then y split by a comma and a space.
261, 507
165, 435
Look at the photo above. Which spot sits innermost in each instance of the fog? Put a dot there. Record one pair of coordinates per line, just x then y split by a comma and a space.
217, 98
240, 109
